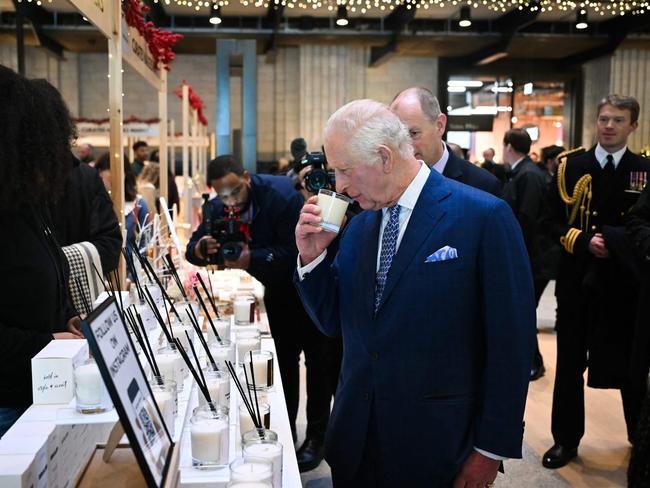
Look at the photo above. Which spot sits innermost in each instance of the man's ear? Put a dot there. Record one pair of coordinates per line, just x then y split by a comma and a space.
387, 159
441, 123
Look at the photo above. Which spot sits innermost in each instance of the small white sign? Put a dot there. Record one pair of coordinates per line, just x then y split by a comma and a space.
53, 371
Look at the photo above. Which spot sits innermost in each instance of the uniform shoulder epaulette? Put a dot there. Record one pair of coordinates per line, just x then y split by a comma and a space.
578, 202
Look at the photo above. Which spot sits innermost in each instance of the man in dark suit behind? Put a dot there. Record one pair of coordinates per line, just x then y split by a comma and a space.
437, 322
598, 284
419, 109
524, 192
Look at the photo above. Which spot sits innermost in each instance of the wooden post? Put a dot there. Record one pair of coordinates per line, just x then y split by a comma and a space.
162, 133
195, 151
213, 146
187, 187
115, 116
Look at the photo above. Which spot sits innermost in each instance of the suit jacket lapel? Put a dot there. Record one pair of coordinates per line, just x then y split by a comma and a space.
426, 215
369, 248
452, 168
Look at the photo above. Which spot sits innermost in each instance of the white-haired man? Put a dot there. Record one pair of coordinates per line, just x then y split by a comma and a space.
437, 322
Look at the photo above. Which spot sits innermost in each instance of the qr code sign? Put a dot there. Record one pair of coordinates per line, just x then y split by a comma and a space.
147, 426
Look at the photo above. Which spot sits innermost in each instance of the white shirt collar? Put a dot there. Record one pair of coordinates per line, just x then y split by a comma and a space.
410, 196
442, 162
514, 165
601, 155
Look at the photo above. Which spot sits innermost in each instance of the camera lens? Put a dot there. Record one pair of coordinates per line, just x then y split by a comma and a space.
316, 179
231, 251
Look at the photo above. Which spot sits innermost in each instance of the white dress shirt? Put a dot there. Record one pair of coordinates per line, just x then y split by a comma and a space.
514, 165
442, 162
601, 155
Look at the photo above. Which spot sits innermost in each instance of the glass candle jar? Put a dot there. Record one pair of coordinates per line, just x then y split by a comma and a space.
251, 470
209, 433
258, 434
91, 394
171, 365
164, 392
248, 340
262, 370
244, 310
248, 484
246, 422
218, 383
222, 352
270, 450
178, 329
223, 329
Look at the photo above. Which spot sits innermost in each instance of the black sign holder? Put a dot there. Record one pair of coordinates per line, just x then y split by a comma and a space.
92, 329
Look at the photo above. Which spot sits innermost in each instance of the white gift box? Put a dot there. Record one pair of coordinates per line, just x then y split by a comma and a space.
53, 371
17, 471
36, 448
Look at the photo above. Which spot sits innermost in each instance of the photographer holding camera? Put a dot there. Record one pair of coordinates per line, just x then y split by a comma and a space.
250, 225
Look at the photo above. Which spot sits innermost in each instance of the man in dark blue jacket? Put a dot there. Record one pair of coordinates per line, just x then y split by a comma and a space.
420, 111
270, 206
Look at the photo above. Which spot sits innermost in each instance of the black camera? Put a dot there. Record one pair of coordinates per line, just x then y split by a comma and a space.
228, 230
317, 178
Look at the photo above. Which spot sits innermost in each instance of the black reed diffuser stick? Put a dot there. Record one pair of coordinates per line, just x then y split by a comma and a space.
251, 412
207, 315
198, 332
210, 297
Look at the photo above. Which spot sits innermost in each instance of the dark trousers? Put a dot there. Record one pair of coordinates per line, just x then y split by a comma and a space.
293, 332
568, 416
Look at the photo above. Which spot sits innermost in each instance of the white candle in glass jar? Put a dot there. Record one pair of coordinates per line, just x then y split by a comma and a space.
223, 329
246, 422
214, 388
244, 311
251, 470
88, 384
333, 207
209, 439
171, 366
260, 368
221, 353
178, 331
165, 401
249, 484
271, 451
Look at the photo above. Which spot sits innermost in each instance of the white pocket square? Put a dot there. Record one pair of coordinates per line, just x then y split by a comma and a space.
443, 254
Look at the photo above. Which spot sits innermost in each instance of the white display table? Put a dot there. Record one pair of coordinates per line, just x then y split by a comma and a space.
50, 445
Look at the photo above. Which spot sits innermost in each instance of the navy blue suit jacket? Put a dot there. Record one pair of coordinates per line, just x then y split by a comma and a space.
444, 363
276, 208
460, 170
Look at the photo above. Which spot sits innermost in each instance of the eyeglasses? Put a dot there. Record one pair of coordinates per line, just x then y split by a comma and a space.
226, 194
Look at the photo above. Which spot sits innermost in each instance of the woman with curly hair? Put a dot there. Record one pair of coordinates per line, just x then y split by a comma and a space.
34, 304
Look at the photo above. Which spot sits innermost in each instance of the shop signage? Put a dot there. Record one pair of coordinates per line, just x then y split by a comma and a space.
97, 12
135, 51
124, 378
470, 123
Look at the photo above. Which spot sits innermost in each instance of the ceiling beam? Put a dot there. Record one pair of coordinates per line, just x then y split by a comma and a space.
38, 16
396, 21
617, 29
508, 25
273, 19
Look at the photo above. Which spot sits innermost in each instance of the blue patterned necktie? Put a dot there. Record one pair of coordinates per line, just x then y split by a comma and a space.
388, 247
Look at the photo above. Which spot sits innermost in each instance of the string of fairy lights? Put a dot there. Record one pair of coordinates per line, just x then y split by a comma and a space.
591, 7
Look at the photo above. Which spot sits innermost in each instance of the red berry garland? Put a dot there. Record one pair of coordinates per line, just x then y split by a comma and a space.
195, 101
160, 42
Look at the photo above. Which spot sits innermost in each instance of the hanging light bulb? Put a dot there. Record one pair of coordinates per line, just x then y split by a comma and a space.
342, 16
581, 19
465, 17
215, 14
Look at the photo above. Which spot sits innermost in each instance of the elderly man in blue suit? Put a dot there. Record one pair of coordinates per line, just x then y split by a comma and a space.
438, 323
